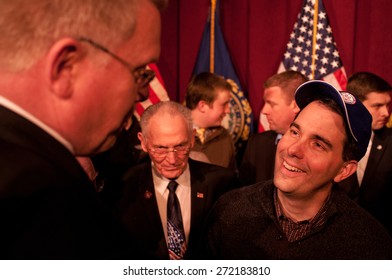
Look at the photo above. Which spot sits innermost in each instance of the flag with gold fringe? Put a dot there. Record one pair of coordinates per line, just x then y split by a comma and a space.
214, 57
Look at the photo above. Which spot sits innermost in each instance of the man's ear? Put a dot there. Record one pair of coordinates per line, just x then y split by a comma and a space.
62, 57
349, 167
201, 106
142, 142
295, 107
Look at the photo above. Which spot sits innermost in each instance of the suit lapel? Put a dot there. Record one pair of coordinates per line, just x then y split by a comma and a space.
199, 193
150, 206
18, 130
378, 148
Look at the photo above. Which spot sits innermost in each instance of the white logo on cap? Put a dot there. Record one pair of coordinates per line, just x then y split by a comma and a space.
348, 98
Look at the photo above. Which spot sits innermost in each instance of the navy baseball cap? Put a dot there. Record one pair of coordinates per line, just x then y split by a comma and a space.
356, 116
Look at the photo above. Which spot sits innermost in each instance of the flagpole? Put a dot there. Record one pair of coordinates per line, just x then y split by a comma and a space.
315, 22
212, 36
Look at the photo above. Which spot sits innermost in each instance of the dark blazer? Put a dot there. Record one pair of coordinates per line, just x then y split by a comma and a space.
259, 158
138, 208
48, 207
375, 193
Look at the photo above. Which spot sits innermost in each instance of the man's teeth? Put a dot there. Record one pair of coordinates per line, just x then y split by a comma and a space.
291, 168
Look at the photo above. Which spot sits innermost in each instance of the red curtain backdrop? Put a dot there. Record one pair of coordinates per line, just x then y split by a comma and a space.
257, 31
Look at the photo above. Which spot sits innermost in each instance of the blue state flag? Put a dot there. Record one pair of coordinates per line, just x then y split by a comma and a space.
239, 121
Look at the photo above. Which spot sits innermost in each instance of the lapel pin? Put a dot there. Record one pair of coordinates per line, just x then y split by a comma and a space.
379, 147
147, 194
199, 195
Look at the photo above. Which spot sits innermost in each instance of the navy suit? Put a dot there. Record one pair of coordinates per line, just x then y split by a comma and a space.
258, 161
375, 192
48, 206
138, 208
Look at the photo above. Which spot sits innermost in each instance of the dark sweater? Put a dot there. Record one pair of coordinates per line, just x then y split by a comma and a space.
243, 225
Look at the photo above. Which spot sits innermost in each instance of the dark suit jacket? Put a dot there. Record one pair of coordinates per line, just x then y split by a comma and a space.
139, 212
48, 207
112, 164
259, 158
375, 193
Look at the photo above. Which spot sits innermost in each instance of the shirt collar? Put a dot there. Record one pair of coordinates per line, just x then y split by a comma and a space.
161, 182
319, 219
278, 137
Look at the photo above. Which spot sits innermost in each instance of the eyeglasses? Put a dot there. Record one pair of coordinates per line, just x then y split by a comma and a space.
142, 76
162, 152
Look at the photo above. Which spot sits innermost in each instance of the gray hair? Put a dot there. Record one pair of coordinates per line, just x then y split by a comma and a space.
29, 28
165, 107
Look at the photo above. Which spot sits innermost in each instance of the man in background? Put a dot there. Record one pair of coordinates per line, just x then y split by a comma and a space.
164, 202
371, 185
280, 109
208, 96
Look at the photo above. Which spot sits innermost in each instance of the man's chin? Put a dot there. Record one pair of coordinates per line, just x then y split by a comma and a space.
106, 145
171, 174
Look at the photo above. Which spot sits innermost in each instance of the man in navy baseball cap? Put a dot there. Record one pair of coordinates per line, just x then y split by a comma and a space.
302, 214
357, 118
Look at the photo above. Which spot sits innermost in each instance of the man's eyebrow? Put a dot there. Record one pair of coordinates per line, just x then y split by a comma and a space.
324, 140
295, 125
378, 104
315, 136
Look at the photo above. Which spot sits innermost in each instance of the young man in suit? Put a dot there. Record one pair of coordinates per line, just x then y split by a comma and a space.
371, 185
280, 109
302, 214
70, 73
167, 136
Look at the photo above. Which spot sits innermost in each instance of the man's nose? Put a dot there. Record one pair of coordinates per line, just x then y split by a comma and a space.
385, 111
227, 109
296, 149
265, 110
171, 157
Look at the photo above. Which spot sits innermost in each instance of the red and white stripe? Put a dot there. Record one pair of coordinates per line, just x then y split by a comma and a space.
157, 92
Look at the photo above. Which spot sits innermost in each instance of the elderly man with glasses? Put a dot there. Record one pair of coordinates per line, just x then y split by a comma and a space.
63, 95
171, 194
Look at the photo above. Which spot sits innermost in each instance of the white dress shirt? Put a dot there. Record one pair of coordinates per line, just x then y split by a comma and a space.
183, 193
363, 162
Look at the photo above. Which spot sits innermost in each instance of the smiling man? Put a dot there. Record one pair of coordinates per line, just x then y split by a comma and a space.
301, 214
208, 96
70, 73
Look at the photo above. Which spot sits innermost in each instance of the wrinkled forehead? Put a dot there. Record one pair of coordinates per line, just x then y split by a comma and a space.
320, 119
165, 128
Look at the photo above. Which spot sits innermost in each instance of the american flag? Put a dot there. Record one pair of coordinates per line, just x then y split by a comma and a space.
157, 92
312, 50
176, 242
